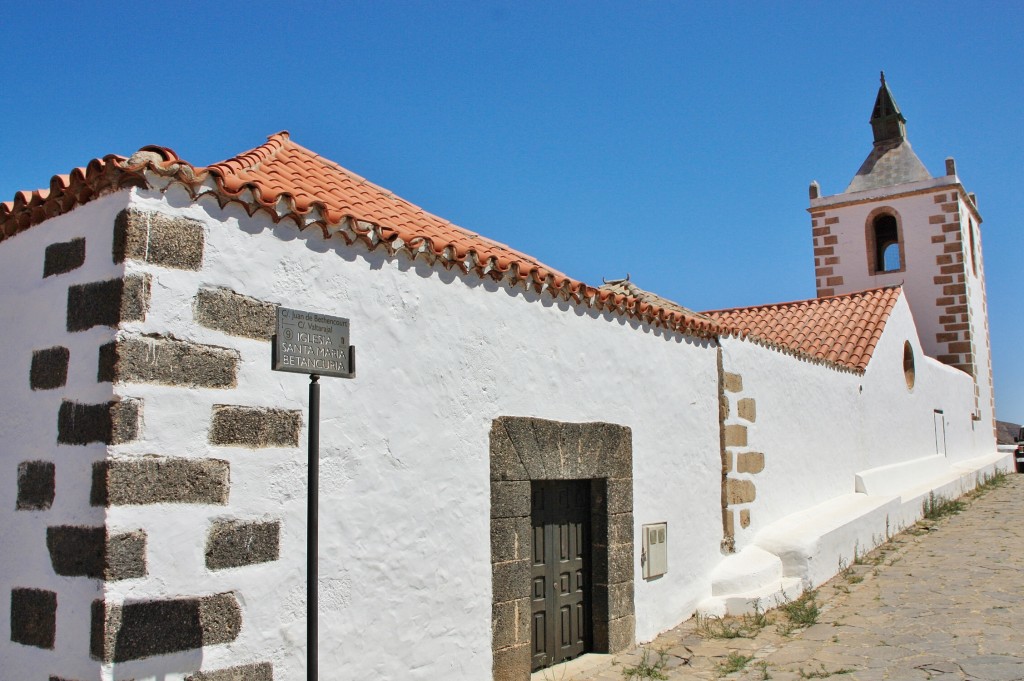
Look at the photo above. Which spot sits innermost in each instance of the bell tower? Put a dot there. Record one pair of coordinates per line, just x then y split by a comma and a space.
896, 224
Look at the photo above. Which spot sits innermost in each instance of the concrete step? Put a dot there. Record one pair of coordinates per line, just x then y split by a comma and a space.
764, 597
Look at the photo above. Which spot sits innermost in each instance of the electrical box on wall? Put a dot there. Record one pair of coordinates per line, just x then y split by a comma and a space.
654, 557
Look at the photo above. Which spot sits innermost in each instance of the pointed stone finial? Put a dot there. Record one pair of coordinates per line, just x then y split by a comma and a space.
887, 122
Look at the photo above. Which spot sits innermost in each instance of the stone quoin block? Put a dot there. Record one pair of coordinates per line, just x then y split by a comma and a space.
745, 518
254, 427
750, 462
158, 239
111, 423
735, 436
747, 409
508, 620
33, 617
259, 671
740, 491
63, 257
108, 303
231, 543
36, 485
615, 635
91, 552
733, 382
159, 480
508, 663
510, 538
49, 368
163, 360
140, 629
234, 314
507, 578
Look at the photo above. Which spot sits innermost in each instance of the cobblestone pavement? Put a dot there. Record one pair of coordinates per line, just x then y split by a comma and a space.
943, 600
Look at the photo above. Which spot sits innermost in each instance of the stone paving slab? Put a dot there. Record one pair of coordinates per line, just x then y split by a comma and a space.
943, 600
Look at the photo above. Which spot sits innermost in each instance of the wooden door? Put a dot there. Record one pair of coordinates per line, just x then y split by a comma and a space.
560, 571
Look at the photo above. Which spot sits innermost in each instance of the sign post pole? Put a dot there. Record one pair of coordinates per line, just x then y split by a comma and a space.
318, 345
312, 531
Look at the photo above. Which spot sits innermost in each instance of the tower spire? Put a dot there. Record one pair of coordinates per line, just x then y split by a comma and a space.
887, 122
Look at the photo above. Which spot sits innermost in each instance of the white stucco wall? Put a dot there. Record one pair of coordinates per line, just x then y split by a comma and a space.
405, 582
818, 427
33, 317
404, 526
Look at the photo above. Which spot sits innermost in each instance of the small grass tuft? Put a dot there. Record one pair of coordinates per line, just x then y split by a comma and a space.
936, 507
747, 626
822, 673
734, 663
645, 669
800, 613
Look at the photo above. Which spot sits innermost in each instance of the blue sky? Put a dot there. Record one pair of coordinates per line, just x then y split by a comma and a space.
671, 141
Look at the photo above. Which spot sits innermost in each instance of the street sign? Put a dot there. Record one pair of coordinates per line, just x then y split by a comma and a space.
312, 343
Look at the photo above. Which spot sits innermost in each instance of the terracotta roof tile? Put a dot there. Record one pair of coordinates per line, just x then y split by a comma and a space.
839, 329
289, 181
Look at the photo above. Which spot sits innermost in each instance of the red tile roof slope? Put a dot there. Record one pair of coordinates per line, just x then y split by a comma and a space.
289, 181
842, 329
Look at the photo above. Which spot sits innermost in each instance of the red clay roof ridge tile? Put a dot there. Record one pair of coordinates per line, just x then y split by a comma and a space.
289, 181
841, 330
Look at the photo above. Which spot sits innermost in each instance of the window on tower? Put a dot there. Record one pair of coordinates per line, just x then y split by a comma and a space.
888, 255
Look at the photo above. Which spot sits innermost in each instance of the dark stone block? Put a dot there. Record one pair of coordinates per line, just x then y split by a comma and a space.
157, 480
254, 427
510, 499
620, 495
33, 617
89, 552
159, 239
505, 461
77, 551
36, 485
510, 539
260, 671
63, 257
142, 629
613, 601
49, 368
510, 623
158, 359
108, 303
510, 581
233, 544
111, 422
512, 664
224, 310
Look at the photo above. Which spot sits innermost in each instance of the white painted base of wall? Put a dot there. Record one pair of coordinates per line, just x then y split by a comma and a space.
806, 549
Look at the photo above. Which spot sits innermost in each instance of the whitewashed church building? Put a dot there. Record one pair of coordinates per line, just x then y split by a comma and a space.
525, 468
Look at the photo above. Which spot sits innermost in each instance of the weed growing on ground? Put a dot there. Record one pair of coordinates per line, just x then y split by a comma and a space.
734, 663
762, 667
936, 507
822, 672
747, 626
645, 669
802, 612
988, 482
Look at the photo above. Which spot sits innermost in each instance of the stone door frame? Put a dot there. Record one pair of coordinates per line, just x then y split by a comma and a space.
524, 449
